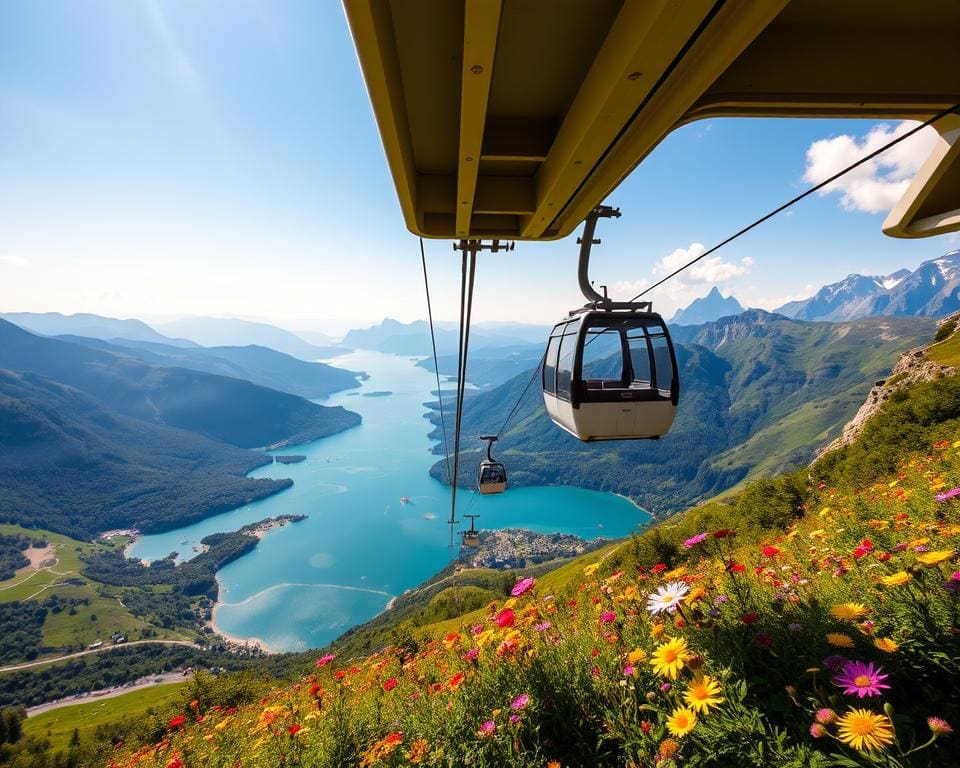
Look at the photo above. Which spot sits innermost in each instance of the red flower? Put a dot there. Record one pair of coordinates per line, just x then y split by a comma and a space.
763, 640
315, 689
722, 533
456, 680
176, 762
659, 568
339, 674
645, 726
770, 551
749, 618
177, 722
505, 618
883, 557
293, 730
736, 567
390, 684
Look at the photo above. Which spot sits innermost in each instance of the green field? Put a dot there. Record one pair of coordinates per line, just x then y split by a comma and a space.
83, 624
57, 725
947, 351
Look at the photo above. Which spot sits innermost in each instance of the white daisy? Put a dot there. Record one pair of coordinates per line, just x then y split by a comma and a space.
667, 598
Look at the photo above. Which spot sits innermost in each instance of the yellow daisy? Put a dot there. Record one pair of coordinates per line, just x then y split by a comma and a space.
839, 640
681, 721
885, 644
936, 557
848, 611
591, 569
703, 693
865, 730
669, 658
896, 579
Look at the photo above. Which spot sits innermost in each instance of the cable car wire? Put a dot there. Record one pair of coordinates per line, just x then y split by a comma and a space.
436, 363
467, 273
523, 394
954, 109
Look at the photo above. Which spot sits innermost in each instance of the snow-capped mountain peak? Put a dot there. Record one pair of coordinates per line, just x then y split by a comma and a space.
933, 289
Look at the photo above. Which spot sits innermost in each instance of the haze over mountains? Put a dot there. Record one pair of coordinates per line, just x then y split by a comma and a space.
414, 338
91, 326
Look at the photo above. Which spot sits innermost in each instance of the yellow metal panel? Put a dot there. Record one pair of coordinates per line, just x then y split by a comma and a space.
640, 45
931, 204
481, 22
728, 34
372, 30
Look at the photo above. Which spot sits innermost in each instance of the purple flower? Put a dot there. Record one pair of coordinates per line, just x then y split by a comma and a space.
542, 627
721, 599
520, 702
694, 540
861, 679
835, 663
524, 585
947, 495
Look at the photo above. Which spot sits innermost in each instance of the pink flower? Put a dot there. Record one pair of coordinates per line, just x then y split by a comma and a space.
524, 585
628, 671
947, 495
770, 551
542, 627
487, 729
861, 679
520, 702
694, 540
607, 616
514, 719
324, 660
505, 618
471, 654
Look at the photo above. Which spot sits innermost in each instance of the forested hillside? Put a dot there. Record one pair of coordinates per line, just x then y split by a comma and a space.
218, 407
70, 464
758, 393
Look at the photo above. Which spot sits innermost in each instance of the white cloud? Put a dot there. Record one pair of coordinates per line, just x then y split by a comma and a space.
876, 185
712, 269
12, 260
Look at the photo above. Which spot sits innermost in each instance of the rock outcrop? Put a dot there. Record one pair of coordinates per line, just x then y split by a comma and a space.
913, 366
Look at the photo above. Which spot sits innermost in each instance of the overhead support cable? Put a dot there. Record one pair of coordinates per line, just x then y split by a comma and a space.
779, 209
436, 362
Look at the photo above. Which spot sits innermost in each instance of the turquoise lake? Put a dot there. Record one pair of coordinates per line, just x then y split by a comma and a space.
308, 582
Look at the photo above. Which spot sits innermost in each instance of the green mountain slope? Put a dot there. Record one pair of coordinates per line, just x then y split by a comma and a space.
70, 464
759, 393
260, 365
219, 407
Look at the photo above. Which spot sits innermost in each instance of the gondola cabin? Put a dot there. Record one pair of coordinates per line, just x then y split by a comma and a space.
471, 539
492, 477
611, 374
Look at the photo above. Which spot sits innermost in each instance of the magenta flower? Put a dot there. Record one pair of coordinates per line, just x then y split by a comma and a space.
471, 654
947, 495
607, 616
514, 719
487, 729
694, 540
324, 660
520, 702
862, 679
524, 585
628, 671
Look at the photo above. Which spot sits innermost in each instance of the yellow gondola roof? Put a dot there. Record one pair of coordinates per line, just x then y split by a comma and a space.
511, 119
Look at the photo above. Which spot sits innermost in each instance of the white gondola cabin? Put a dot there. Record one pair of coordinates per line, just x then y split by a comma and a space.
611, 374
492, 475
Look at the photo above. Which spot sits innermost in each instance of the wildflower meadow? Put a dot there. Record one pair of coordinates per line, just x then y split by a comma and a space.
831, 643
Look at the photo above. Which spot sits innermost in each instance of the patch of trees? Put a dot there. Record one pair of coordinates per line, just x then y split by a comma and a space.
191, 578
12, 557
21, 625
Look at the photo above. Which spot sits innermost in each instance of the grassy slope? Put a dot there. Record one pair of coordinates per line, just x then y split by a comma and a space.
947, 351
57, 725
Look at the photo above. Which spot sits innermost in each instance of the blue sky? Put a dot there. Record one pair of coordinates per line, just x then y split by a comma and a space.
170, 158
